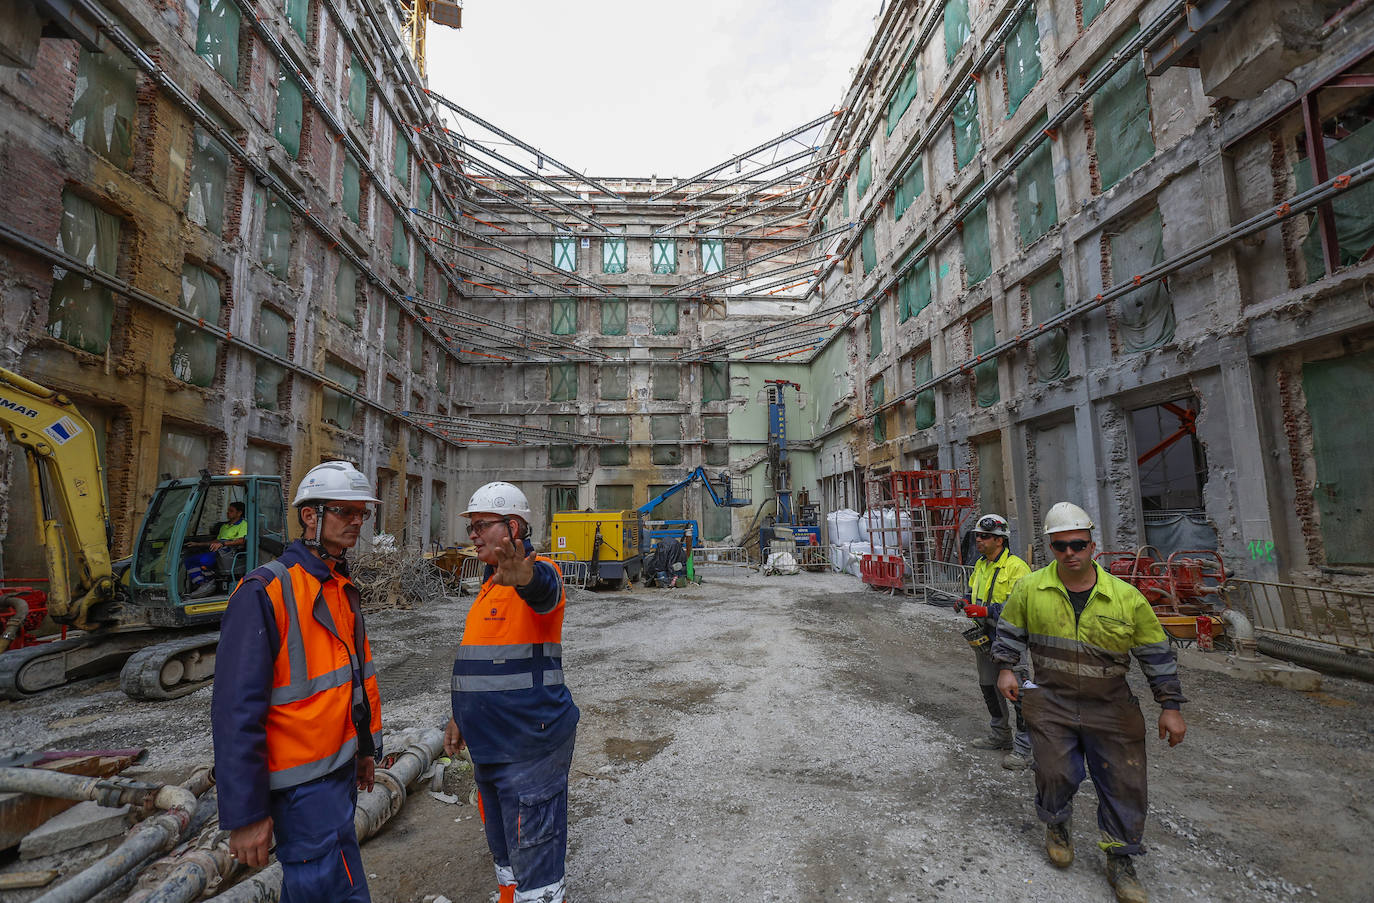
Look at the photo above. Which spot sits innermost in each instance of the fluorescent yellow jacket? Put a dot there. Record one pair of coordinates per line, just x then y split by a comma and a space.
1088, 654
991, 581
233, 531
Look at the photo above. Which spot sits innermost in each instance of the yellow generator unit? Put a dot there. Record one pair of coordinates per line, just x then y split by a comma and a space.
607, 542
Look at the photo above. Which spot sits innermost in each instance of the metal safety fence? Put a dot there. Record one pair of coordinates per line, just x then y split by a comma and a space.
470, 576
813, 558
1335, 617
938, 581
724, 556
576, 573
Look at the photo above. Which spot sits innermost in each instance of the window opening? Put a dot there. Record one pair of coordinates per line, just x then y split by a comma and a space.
716, 429
977, 250
875, 331
613, 316
401, 166
346, 293
103, 111
868, 251
1146, 314
878, 395
615, 498
913, 289
562, 455
290, 114
357, 89
1121, 118
298, 16
615, 382
391, 338
666, 379
1022, 60
664, 316
1338, 393
338, 407
276, 236
1050, 350
957, 29
613, 252
666, 428
908, 87
217, 37
564, 316
1036, 209
617, 455
400, 244
269, 377
209, 181
565, 254
911, 186
967, 136
864, 175
985, 374
1347, 140
922, 371
562, 382
663, 255
715, 381
712, 255
195, 353
80, 311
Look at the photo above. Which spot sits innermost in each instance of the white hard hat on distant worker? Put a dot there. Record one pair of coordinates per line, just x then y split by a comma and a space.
993, 524
499, 497
1065, 516
334, 481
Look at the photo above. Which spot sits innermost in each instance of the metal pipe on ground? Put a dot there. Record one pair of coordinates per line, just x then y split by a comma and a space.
373, 811
207, 811
1328, 661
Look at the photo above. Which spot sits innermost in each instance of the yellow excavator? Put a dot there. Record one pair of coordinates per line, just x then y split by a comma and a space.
139, 614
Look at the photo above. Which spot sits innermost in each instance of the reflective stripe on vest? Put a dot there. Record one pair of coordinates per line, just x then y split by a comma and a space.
500, 655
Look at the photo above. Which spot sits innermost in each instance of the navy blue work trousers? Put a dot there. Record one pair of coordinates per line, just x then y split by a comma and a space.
316, 843
525, 815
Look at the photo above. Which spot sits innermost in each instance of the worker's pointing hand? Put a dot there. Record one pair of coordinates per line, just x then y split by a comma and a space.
249, 844
513, 568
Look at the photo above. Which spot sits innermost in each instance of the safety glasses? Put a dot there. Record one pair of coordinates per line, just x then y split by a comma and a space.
345, 513
1063, 545
981, 535
478, 526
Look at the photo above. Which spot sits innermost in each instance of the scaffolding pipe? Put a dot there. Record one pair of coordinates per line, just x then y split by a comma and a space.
752, 190
799, 243
497, 324
533, 192
677, 186
829, 314
432, 419
799, 155
464, 179
768, 206
472, 117
487, 240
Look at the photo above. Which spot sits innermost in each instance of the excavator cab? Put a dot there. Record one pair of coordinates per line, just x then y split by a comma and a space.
176, 580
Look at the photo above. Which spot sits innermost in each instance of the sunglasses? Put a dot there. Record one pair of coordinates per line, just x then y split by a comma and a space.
981, 535
1063, 545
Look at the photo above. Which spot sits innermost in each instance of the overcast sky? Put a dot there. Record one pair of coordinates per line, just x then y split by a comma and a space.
642, 87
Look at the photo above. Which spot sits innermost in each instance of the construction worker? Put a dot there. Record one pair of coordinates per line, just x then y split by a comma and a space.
510, 705
1082, 625
296, 715
994, 574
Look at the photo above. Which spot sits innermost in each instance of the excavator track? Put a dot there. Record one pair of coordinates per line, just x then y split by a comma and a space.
24, 672
171, 669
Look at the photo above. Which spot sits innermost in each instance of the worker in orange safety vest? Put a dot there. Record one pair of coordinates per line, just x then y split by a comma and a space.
296, 715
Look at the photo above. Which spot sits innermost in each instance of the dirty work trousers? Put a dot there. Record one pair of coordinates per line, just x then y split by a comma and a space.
1000, 725
1103, 731
316, 843
524, 807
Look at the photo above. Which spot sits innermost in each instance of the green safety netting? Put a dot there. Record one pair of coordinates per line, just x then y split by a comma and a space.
195, 352
712, 255
666, 378
290, 114
352, 189
913, 289
867, 249
666, 428
977, 251
985, 374
878, 392
921, 372
357, 89
1146, 314
346, 293
967, 136
614, 455
1035, 199
614, 498
844, 199
259, 459
875, 332
564, 316
671, 508
716, 522
715, 381
1353, 208
663, 255
276, 236
391, 336
613, 316
1338, 393
1091, 8
912, 184
400, 166
181, 453
562, 382
417, 348
298, 15
565, 254
715, 428
664, 316
400, 244
1051, 350
217, 37
908, 86
103, 111
613, 255
615, 382
274, 335
863, 177
957, 29
1022, 60
426, 193
1121, 118
562, 455
441, 377
209, 178
80, 312
338, 407
421, 274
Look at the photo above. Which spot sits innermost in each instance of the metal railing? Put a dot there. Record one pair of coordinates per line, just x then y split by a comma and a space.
575, 573
470, 576
938, 580
1335, 617
813, 557
723, 556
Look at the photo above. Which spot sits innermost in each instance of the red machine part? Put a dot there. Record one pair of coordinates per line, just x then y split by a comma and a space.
37, 602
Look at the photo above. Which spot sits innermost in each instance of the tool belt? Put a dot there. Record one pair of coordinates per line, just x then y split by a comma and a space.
977, 635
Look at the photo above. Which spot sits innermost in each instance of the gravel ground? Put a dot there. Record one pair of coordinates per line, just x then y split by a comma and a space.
804, 738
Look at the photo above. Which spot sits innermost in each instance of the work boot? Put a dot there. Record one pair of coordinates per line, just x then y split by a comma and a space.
1059, 845
992, 741
205, 589
1121, 876
1015, 761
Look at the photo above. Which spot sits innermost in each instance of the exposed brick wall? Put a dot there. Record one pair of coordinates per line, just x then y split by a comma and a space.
1297, 429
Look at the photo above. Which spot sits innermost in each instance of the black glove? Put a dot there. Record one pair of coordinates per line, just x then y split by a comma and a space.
961, 602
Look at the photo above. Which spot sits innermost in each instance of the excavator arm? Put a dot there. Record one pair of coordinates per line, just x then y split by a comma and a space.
69, 496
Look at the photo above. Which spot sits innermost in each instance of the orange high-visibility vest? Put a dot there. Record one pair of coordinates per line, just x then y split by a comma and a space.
323, 674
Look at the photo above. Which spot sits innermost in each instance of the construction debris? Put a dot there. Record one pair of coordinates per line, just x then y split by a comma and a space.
388, 576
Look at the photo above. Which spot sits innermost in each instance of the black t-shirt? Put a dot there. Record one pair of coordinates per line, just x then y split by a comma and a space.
1079, 600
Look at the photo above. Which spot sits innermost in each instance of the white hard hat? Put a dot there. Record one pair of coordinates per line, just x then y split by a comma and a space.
1064, 516
498, 498
334, 481
994, 524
